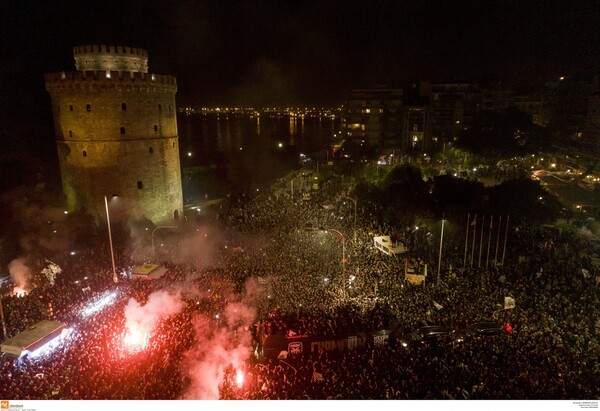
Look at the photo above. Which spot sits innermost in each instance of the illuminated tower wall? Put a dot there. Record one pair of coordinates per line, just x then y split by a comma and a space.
116, 133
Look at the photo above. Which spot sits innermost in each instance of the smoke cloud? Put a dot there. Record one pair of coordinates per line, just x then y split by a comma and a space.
221, 342
174, 245
21, 275
145, 317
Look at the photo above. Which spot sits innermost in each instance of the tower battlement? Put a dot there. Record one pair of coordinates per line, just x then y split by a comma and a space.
112, 80
114, 58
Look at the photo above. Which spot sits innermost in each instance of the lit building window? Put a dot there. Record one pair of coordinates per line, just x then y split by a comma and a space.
107, 73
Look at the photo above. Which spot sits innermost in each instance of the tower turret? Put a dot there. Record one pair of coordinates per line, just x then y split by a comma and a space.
111, 58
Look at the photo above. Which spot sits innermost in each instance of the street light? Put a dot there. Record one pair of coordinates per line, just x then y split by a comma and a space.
152, 236
440, 255
112, 254
343, 240
354, 201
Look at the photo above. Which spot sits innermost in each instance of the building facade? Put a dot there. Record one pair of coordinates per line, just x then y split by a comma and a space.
375, 115
116, 135
454, 108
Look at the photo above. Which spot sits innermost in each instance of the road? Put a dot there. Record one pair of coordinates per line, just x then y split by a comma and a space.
568, 192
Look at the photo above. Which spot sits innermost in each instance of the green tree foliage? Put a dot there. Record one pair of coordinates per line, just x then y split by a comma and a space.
524, 199
404, 186
403, 195
452, 194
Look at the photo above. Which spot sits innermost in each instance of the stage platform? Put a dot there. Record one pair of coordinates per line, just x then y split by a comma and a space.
148, 272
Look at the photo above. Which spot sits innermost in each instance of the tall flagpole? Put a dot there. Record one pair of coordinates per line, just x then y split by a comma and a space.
497, 241
481, 241
505, 236
440, 256
487, 257
474, 224
466, 240
4, 333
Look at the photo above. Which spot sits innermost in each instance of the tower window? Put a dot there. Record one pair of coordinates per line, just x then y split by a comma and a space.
70, 133
123, 106
169, 109
122, 130
155, 127
84, 153
150, 150
160, 107
70, 107
140, 185
88, 107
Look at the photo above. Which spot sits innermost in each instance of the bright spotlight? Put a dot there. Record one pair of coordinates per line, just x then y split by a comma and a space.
239, 378
135, 339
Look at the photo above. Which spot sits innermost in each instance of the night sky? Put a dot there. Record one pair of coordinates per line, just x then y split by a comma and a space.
266, 53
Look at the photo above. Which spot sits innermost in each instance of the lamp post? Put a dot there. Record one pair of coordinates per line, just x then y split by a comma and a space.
112, 254
343, 240
354, 201
152, 236
440, 255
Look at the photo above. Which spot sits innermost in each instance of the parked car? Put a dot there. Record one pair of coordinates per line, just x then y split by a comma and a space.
424, 335
479, 329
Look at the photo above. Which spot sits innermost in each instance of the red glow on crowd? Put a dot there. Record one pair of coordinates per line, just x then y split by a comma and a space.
239, 378
135, 339
19, 291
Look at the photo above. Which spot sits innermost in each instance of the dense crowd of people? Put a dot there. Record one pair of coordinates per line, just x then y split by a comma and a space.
296, 284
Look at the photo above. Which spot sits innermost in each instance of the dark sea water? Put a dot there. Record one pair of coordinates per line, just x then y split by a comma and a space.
223, 153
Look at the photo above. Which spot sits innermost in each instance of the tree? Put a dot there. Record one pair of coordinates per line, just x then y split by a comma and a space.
524, 199
451, 194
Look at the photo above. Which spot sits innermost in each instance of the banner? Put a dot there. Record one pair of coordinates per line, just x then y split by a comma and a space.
414, 278
274, 345
509, 303
295, 348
